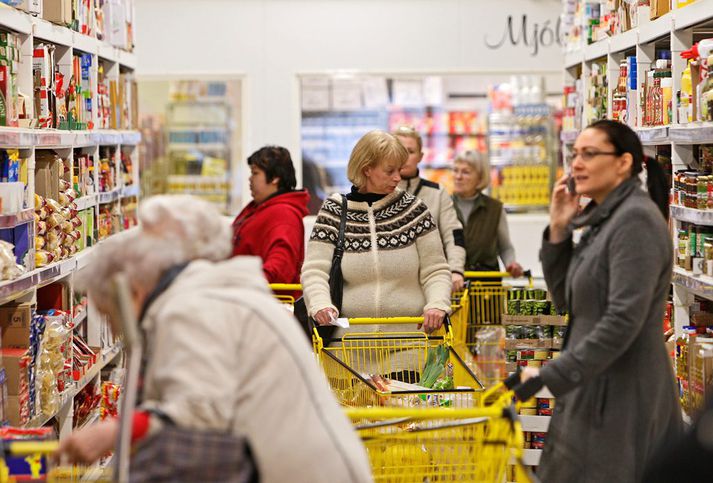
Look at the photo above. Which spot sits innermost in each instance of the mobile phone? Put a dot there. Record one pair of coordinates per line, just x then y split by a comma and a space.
571, 185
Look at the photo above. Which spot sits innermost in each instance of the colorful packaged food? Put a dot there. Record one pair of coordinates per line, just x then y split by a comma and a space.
43, 258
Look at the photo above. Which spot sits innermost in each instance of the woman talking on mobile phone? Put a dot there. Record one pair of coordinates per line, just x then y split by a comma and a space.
616, 397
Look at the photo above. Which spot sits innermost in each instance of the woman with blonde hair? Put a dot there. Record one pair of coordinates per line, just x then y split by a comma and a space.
485, 226
393, 262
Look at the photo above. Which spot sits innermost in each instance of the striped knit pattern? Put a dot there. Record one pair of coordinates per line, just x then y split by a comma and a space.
398, 224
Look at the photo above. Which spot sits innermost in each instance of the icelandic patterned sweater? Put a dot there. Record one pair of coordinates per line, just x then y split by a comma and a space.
393, 262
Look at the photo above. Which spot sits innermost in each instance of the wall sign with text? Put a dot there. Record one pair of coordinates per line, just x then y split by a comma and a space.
522, 31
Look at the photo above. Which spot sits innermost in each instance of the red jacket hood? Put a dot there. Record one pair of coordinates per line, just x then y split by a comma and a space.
296, 200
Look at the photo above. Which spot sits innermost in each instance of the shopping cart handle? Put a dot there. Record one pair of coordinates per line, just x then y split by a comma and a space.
293, 287
394, 320
24, 448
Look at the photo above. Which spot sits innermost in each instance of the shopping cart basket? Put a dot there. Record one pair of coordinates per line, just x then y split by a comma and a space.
443, 445
35, 452
385, 368
484, 336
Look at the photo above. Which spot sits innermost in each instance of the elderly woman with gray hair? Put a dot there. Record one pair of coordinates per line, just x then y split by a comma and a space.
483, 218
225, 367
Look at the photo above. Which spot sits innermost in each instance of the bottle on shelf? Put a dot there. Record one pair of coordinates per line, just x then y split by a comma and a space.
685, 97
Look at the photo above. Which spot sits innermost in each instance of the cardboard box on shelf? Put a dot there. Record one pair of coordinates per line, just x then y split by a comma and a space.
514, 344
659, 8
48, 167
57, 11
15, 321
18, 411
15, 362
534, 319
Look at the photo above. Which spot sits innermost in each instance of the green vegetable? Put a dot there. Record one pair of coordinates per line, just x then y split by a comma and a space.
435, 365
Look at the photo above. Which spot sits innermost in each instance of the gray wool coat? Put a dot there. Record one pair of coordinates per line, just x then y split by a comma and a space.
614, 384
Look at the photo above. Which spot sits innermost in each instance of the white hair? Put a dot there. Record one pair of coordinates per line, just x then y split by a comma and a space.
173, 229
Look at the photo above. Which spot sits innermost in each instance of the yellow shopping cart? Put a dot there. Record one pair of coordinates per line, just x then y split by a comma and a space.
34, 452
484, 336
415, 445
280, 290
402, 368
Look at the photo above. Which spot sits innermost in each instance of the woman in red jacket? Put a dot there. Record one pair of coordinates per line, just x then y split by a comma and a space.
271, 225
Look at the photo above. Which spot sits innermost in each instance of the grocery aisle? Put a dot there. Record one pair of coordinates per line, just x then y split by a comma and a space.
105, 105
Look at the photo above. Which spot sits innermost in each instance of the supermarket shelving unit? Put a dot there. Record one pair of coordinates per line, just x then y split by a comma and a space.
69, 145
199, 129
674, 31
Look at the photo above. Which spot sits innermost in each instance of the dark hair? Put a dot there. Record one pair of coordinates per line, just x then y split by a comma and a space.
625, 140
277, 163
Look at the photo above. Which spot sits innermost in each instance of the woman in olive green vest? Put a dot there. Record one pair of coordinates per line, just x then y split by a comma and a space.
484, 222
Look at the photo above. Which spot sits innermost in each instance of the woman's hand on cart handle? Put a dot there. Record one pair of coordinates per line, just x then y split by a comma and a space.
458, 281
529, 373
515, 270
432, 320
563, 208
91, 443
326, 316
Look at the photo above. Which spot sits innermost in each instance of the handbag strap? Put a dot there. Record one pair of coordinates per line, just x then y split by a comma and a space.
339, 249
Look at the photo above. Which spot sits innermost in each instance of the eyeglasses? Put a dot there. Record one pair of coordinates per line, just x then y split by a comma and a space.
589, 155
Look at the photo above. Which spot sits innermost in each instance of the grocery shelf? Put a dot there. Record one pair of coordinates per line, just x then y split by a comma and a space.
531, 457
19, 138
80, 317
696, 133
110, 196
85, 43
655, 29
536, 424
85, 202
130, 137
12, 137
75, 388
624, 41
695, 13
84, 257
91, 419
572, 59
107, 138
14, 19
56, 271
12, 289
127, 59
129, 191
83, 139
51, 138
701, 285
692, 215
569, 137
52, 33
108, 52
14, 219
596, 50
206, 146
652, 136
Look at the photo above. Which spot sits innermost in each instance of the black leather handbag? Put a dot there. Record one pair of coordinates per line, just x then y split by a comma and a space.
336, 285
